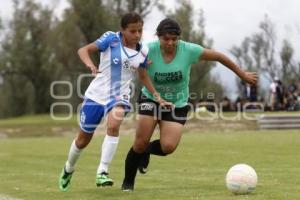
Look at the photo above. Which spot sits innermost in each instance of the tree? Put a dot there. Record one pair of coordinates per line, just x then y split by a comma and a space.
290, 70
268, 47
259, 52
1, 26
82, 23
244, 56
93, 18
122, 6
28, 67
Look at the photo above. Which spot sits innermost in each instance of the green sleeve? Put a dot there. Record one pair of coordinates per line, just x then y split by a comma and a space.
195, 52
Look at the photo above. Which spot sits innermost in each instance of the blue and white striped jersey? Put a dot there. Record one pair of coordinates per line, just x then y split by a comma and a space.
117, 66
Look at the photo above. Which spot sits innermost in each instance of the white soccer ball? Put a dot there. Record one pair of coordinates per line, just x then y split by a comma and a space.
241, 179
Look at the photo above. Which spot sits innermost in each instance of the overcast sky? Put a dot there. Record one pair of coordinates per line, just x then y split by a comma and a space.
227, 21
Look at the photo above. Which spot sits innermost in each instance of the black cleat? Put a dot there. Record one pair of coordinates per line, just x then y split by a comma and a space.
127, 187
143, 166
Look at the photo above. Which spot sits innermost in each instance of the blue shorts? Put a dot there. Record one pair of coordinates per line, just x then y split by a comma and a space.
91, 113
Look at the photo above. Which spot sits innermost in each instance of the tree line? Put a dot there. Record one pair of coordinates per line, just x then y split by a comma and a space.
261, 51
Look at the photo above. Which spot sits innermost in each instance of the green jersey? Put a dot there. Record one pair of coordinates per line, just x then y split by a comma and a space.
171, 80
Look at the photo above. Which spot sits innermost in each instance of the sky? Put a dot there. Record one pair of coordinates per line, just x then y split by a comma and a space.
228, 22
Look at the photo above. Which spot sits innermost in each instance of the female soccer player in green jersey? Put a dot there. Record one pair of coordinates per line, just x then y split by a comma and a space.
170, 73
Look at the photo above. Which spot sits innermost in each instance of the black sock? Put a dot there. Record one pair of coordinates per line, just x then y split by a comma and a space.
131, 165
155, 148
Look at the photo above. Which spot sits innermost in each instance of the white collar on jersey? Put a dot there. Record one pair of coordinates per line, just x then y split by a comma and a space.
138, 49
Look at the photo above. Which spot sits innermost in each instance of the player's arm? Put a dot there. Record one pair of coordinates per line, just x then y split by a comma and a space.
145, 79
84, 55
211, 55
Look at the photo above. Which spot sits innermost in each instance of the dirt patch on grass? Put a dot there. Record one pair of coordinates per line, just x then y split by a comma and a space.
128, 127
219, 125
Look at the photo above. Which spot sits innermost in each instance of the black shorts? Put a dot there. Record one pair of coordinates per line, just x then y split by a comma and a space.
149, 107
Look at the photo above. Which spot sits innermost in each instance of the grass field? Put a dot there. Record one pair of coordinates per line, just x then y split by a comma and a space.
30, 166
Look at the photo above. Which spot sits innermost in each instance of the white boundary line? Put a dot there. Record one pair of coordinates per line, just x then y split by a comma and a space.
7, 197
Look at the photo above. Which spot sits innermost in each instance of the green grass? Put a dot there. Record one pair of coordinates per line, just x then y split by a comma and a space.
44, 119
36, 126
29, 168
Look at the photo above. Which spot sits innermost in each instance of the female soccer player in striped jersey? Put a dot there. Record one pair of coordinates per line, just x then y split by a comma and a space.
121, 54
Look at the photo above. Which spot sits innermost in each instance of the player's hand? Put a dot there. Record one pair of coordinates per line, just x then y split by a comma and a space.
250, 77
93, 69
149, 62
165, 103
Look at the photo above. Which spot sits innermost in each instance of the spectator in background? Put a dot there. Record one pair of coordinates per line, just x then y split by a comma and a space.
238, 104
292, 96
273, 93
293, 88
250, 92
226, 105
280, 95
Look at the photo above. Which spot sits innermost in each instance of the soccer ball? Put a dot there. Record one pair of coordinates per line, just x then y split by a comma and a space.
241, 179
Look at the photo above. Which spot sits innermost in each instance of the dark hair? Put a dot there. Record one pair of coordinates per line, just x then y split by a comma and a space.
129, 18
168, 26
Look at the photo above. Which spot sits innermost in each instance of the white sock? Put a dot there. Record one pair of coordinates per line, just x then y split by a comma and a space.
73, 156
109, 148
